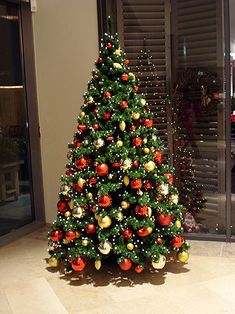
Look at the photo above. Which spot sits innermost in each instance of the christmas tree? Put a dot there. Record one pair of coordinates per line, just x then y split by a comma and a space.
117, 200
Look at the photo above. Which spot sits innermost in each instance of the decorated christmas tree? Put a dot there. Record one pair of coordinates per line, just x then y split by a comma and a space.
117, 200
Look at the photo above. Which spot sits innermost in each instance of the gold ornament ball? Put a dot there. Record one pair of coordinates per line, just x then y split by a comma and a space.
71, 204
122, 125
85, 242
135, 115
97, 216
51, 248
119, 217
82, 114
78, 212
78, 234
125, 204
150, 230
142, 102
104, 222
97, 264
178, 224
131, 75
53, 262
65, 241
119, 143
105, 247
183, 256
90, 195
130, 246
150, 165
160, 263
127, 163
117, 52
81, 182
126, 180
149, 212
146, 150
67, 214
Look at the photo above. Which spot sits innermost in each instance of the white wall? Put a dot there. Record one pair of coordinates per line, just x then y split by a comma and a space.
66, 46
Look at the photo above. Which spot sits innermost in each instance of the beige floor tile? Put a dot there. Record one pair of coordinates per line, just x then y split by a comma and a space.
4, 305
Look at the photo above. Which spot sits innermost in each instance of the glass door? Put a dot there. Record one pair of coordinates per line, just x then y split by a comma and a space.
15, 170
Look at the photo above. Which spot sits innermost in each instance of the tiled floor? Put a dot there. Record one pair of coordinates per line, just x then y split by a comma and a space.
206, 284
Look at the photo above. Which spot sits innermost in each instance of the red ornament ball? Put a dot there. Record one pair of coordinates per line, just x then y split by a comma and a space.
164, 220
81, 162
76, 143
105, 200
116, 164
169, 177
141, 210
137, 141
95, 126
90, 229
177, 241
125, 77
95, 111
56, 235
143, 232
135, 163
123, 104
127, 233
102, 169
138, 269
106, 115
133, 127
126, 264
69, 172
148, 123
70, 235
100, 60
136, 184
82, 127
126, 62
107, 95
147, 185
62, 206
78, 264
158, 240
93, 180
136, 88
158, 157
109, 139
109, 45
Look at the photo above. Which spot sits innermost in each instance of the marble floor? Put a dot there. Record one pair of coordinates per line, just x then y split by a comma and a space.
206, 284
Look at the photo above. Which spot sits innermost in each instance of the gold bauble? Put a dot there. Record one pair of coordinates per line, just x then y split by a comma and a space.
117, 65
81, 182
122, 125
78, 234
177, 223
90, 100
85, 242
64, 189
97, 264
126, 164
67, 214
150, 165
142, 102
53, 262
160, 263
131, 75
90, 195
96, 216
146, 150
119, 217
150, 230
82, 114
135, 115
145, 140
78, 212
126, 180
71, 204
99, 143
183, 256
117, 52
125, 204
105, 247
65, 241
130, 246
104, 222
149, 212
119, 143
51, 248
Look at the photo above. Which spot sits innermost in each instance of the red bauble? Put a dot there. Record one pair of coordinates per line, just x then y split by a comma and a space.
92, 180
135, 163
137, 141
102, 169
136, 88
70, 235
126, 265
170, 177
147, 185
106, 115
116, 165
142, 232
107, 95
158, 157
105, 200
81, 162
138, 269
126, 62
95, 111
133, 127
177, 241
82, 127
78, 264
56, 235
124, 77
141, 210
233, 117
90, 229
148, 123
100, 60
127, 233
123, 104
69, 172
62, 206
158, 240
109, 139
164, 220
95, 126
136, 184
109, 45
76, 143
